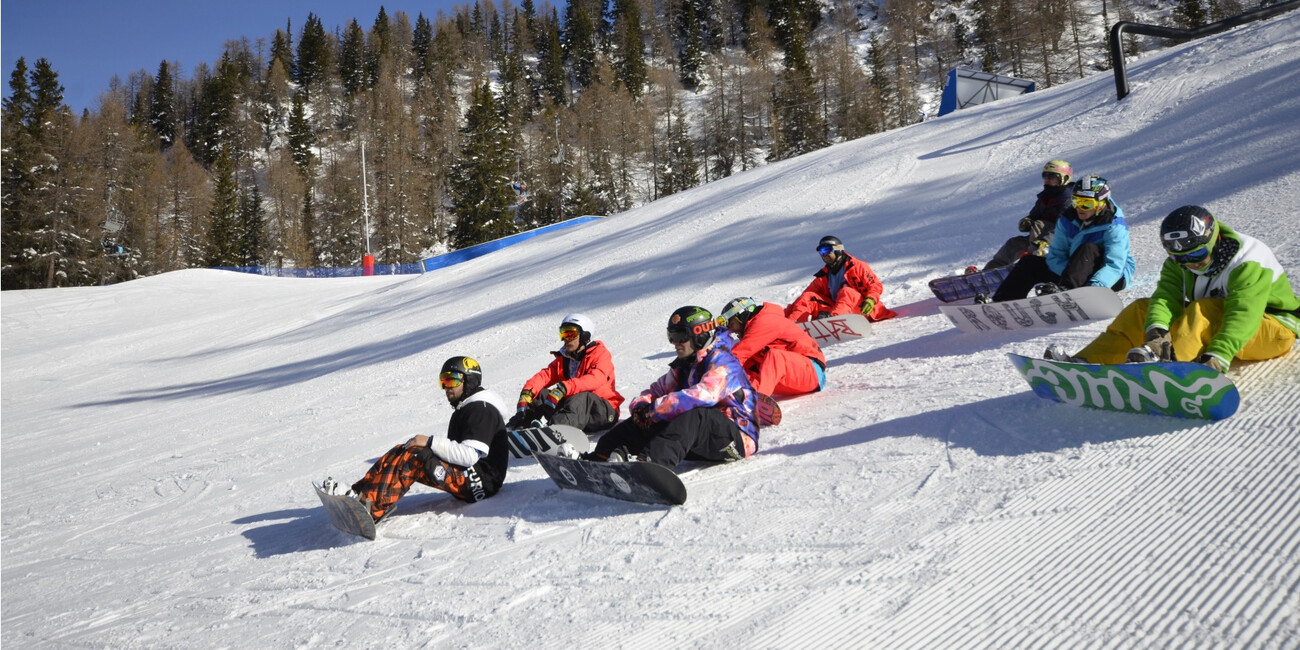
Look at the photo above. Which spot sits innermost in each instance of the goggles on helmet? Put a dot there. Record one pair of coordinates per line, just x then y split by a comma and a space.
451, 379
1086, 203
569, 331
1194, 256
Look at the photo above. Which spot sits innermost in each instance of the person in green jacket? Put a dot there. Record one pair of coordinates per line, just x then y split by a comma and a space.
1221, 296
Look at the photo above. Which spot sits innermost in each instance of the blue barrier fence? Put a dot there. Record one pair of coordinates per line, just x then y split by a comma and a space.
429, 264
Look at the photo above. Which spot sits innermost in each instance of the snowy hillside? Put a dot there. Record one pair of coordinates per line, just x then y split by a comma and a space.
159, 436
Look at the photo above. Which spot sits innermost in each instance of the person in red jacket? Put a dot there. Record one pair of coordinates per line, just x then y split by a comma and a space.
779, 357
844, 286
577, 388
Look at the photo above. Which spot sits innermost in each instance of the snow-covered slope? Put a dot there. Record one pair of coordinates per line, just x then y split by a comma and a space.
159, 436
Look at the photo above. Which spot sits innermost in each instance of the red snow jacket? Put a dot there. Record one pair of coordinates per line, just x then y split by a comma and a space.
769, 329
595, 374
817, 297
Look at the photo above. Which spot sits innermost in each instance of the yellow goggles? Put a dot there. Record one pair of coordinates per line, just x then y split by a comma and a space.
1086, 203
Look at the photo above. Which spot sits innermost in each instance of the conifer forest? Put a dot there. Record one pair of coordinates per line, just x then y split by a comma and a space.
492, 120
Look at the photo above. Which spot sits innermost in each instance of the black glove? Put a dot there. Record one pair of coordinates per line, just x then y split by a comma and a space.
520, 420
641, 415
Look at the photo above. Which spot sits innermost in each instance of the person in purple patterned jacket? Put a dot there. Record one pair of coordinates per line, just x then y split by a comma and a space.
702, 409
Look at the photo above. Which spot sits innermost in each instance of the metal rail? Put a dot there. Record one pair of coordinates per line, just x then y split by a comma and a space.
1117, 30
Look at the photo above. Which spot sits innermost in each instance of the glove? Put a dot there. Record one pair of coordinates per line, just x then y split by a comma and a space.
822, 314
1040, 247
520, 420
525, 400
552, 396
1026, 224
550, 399
641, 414
1213, 362
1159, 343
868, 306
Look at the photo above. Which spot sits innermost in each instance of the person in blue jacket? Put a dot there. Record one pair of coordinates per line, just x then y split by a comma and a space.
1090, 248
702, 409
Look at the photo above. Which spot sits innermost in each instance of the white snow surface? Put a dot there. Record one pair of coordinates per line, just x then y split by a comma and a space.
160, 436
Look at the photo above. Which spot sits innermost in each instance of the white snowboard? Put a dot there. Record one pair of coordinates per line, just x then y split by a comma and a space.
1065, 309
836, 329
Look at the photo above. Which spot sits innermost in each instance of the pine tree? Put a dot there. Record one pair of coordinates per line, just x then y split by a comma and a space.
550, 62
314, 54
352, 59
681, 170
580, 43
20, 178
282, 50
223, 225
301, 137
252, 228
480, 180
162, 107
630, 65
691, 58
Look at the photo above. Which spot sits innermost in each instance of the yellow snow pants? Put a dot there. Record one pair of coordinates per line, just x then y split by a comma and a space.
1191, 333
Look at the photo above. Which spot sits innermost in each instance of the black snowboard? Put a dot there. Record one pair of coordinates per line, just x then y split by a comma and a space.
637, 482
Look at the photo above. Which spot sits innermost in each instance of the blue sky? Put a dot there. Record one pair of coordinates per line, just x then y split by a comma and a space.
89, 41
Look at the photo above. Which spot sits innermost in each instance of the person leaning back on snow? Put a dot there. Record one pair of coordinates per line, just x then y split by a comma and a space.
577, 387
1221, 296
702, 409
779, 357
845, 285
469, 462
1090, 248
1040, 224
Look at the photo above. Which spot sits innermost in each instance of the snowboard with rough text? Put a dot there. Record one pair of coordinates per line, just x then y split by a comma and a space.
1064, 309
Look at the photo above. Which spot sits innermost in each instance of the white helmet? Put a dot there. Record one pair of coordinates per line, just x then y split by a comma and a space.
583, 323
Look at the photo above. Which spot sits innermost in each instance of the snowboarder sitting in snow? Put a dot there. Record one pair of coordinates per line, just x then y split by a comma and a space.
779, 357
1040, 224
702, 409
1221, 295
1090, 248
470, 462
845, 285
577, 387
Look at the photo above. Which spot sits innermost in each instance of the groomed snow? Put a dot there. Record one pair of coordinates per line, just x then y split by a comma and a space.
160, 436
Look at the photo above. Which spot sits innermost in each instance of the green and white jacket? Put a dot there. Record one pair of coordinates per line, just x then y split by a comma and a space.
1249, 279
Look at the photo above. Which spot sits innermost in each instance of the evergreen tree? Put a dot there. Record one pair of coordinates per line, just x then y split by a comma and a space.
422, 50
223, 225
550, 62
681, 171
20, 178
314, 54
691, 58
580, 43
352, 59
1190, 13
252, 228
162, 107
480, 180
630, 65
301, 137
797, 123
282, 50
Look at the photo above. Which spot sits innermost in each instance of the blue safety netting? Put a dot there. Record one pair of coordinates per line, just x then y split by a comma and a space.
429, 264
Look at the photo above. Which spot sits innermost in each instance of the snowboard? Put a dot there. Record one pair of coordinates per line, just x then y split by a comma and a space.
1067, 308
531, 441
347, 514
837, 329
766, 410
1178, 389
637, 482
961, 287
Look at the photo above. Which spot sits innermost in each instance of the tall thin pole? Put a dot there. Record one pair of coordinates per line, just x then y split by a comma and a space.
365, 196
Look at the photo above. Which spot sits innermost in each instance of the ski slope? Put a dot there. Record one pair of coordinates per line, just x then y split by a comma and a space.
159, 436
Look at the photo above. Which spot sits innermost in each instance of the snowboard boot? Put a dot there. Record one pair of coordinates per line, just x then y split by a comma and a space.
971, 270
1047, 288
1055, 352
983, 299
1142, 354
622, 455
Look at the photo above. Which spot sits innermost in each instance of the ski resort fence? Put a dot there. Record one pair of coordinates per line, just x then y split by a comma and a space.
427, 264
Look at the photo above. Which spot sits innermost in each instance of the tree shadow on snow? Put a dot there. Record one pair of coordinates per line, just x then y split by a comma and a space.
1005, 426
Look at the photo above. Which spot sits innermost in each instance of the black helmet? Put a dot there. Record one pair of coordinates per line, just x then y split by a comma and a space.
742, 308
830, 241
692, 323
1188, 228
469, 370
